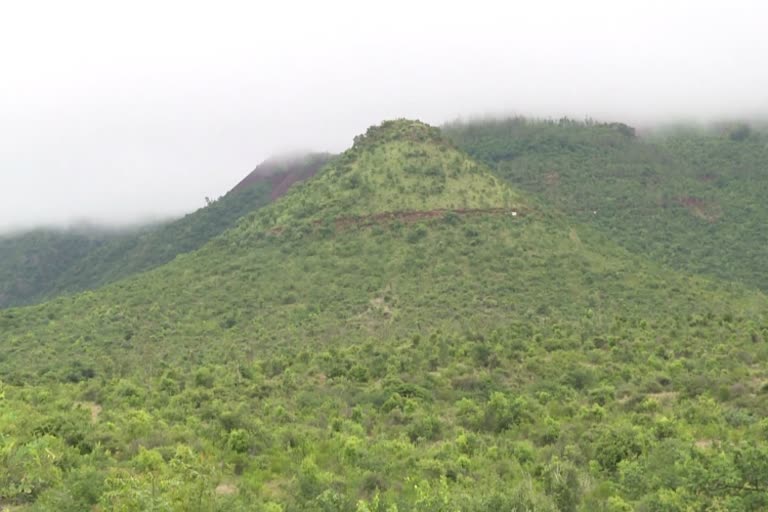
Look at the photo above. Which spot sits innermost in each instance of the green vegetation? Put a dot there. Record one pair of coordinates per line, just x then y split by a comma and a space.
45, 263
467, 360
30, 261
692, 199
397, 166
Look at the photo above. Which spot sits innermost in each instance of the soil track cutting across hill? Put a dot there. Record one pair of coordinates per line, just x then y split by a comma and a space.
416, 215
410, 216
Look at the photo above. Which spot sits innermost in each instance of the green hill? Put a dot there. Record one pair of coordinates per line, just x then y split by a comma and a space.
46, 263
397, 166
420, 340
689, 198
31, 260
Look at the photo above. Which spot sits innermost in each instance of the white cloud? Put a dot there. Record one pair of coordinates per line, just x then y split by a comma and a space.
116, 110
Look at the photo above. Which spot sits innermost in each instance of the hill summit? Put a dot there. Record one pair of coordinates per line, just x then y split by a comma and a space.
398, 166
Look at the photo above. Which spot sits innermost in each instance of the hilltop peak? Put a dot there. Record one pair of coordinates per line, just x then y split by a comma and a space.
400, 129
397, 166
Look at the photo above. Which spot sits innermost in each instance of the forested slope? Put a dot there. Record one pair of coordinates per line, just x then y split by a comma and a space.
46, 263
336, 350
31, 260
689, 198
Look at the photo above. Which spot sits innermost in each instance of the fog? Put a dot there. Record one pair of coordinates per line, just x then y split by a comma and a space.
120, 112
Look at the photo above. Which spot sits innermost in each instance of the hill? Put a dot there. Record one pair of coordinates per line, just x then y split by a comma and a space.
31, 260
133, 255
282, 172
46, 263
398, 166
688, 198
401, 332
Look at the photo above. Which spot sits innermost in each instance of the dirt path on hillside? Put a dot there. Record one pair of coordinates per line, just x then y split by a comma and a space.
416, 215
410, 216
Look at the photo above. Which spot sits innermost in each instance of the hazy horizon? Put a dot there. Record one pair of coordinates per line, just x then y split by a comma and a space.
119, 115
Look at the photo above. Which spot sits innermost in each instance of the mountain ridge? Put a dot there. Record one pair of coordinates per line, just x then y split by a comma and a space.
398, 166
45, 263
443, 362
282, 171
688, 198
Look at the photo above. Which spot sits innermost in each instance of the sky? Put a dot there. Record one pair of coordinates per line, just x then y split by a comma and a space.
118, 112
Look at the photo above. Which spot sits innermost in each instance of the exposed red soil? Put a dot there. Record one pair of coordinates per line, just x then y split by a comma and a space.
701, 208
416, 215
283, 182
691, 202
411, 216
281, 175
280, 181
552, 178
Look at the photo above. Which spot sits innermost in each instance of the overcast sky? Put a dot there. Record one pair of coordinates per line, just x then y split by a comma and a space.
114, 111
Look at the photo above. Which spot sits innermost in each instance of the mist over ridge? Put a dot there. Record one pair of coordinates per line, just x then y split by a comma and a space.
97, 124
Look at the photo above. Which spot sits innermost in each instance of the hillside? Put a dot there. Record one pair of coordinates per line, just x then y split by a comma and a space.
401, 332
689, 198
282, 172
133, 255
46, 263
30, 261
398, 166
